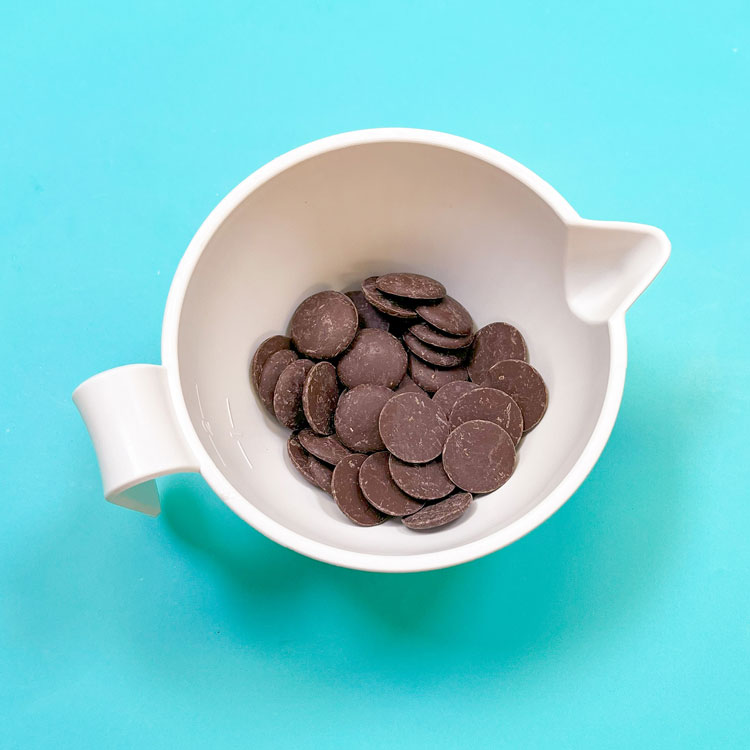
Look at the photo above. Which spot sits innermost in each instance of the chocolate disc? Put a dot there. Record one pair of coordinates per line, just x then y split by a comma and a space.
423, 481
492, 344
448, 315
374, 357
320, 394
357, 415
269, 376
348, 496
381, 491
448, 394
413, 428
524, 385
315, 472
479, 456
322, 475
441, 340
490, 405
385, 304
328, 449
299, 457
431, 355
287, 395
439, 514
324, 325
430, 378
263, 352
407, 385
410, 285
369, 317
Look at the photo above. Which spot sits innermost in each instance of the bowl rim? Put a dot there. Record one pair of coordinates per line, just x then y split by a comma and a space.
329, 553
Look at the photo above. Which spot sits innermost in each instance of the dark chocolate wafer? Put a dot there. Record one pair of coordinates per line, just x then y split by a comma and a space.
314, 471
324, 325
374, 357
357, 416
492, 344
430, 378
287, 395
348, 495
385, 304
448, 394
448, 315
479, 456
321, 473
381, 491
320, 394
434, 515
411, 286
328, 449
524, 385
413, 428
423, 481
491, 405
441, 340
430, 354
274, 366
263, 352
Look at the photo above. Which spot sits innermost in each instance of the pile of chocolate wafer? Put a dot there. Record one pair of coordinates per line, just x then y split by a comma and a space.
399, 409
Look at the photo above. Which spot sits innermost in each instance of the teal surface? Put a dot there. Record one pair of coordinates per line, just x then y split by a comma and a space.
623, 622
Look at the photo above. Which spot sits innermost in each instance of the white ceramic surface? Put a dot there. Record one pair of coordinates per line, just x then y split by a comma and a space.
327, 215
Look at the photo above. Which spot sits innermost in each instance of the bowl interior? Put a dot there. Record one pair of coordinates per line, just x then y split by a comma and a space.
331, 221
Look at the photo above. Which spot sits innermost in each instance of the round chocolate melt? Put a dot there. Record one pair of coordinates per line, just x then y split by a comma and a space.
348, 495
448, 315
410, 285
479, 456
275, 365
441, 340
524, 385
320, 394
328, 449
413, 428
431, 355
374, 357
430, 378
263, 352
448, 394
385, 304
439, 514
381, 491
423, 481
491, 405
287, 395
357, 416
321, 474
315, 472
492, 344
324, 325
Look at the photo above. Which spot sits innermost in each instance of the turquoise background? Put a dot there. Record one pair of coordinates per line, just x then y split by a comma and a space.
622, 622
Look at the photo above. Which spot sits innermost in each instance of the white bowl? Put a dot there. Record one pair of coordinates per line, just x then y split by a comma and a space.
325, 216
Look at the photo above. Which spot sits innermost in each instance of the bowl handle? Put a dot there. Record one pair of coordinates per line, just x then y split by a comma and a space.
608, 264
130, 418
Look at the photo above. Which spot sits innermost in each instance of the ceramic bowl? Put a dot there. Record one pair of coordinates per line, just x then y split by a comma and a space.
325, 216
